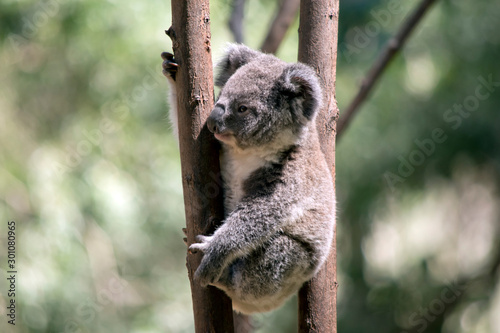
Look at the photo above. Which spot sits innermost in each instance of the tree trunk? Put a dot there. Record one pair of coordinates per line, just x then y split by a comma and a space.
190, 34
318, 31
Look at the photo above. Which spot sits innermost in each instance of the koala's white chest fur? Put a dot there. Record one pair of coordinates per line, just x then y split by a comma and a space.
236, 167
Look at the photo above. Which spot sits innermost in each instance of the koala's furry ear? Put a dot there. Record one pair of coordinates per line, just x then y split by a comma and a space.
235, 56
301, 84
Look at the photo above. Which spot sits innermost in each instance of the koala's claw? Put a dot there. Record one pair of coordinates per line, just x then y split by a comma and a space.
167, 56
184, 231
169, 65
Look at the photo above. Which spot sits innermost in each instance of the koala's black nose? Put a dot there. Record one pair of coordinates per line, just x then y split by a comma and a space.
214, 120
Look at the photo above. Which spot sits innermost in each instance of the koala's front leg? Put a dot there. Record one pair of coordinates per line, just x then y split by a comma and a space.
252, 223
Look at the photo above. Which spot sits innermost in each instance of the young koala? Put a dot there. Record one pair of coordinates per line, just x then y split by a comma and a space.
278, 191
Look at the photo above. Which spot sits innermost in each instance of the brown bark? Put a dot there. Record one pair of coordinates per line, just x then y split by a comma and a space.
318, 32
284, 18
190, 34
391, 49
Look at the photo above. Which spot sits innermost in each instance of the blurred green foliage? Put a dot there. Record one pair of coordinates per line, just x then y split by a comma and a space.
91, 174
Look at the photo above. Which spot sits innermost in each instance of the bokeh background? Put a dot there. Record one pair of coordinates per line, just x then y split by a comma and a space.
91, 175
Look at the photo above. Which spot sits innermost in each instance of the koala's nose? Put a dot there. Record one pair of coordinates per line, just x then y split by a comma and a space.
213, 121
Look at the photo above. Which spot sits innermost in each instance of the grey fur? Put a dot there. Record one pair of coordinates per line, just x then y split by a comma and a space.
279, 195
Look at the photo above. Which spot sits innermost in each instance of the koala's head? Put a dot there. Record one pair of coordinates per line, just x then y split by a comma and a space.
263, 100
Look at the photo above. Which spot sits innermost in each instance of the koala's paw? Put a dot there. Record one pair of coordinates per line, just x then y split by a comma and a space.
202, 245
210, 267
209, 271
169, 65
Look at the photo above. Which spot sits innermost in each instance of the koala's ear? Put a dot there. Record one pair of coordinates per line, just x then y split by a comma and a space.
235, 56
301, 85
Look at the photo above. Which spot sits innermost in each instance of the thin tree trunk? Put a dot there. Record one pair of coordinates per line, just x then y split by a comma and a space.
287, 12
318, 32
190, 34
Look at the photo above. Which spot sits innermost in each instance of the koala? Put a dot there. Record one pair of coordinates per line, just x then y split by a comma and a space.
278, 191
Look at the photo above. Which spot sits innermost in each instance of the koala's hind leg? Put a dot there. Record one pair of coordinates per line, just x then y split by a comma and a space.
169, 65
169, 69
265, 278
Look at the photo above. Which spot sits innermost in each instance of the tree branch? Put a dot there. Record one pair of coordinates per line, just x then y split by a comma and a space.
236, 20
284, 18
391, 49
190, 34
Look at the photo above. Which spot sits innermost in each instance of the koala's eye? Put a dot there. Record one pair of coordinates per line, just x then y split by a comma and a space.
242, 109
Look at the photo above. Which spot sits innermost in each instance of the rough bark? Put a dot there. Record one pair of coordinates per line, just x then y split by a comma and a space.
284, 18
190, 34
390, 50
318, 32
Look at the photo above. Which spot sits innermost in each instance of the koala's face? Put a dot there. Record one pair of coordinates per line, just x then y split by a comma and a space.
259, 105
